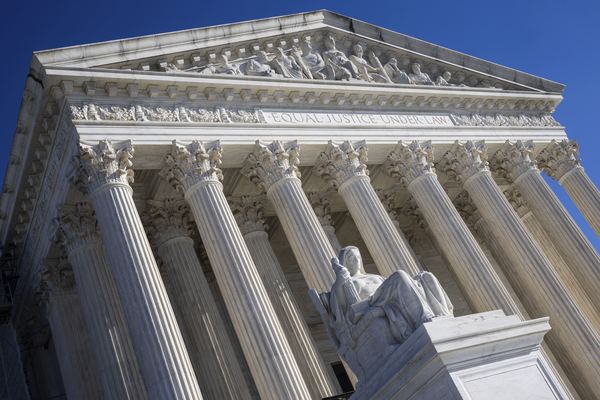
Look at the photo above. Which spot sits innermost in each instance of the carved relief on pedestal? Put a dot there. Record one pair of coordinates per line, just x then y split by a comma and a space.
464, 160
559, 157
270, 163
102, 163
249, 213
190, 164
341, 162
408, 162
514, 159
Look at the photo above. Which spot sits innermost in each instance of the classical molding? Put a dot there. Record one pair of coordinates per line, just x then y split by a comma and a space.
497, 119
56, 279
184, 113
271, 163
76, 227
166, 220
464, 160
514, 159
188, 165
102, 163
88, 111
342, 161
249, 213
410, 161
559, 158
321, 204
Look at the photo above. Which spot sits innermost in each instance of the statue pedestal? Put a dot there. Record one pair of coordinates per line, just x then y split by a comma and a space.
479, 356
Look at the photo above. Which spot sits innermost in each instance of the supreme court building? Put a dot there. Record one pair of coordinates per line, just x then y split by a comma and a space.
170, 200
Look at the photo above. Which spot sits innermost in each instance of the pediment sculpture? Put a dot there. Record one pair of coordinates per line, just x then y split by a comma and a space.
367, 316
301, 61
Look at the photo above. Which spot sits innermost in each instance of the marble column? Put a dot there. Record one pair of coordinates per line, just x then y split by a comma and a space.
193, 170
58, 291
547, 245
170, 225
166, 369
78, 236
249, 214
273, 167
343, 165
413, 165
321, 204
559, 160
573, 337
513, 161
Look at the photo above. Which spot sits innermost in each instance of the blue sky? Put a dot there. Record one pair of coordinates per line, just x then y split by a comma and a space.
556, 40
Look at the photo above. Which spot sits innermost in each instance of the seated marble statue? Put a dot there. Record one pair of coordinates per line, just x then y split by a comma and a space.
368, 315
418, 77
313, 61
286, 65
444, 79
366, 71
396, 74
337, 65
260, 66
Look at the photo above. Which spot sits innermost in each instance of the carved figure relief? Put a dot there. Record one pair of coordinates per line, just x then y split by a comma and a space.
418, 77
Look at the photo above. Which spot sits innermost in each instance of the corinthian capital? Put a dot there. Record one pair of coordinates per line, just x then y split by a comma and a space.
190, 164
466, 208
321, 203
388, 200
56, 279
76, 227
409, 161
340, 162
102, 163
464, 160
517, 201
412, 211
249, 212
514, 159
559, 158
166, 220
270, 163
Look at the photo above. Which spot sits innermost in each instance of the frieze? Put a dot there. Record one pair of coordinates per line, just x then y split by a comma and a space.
91, 112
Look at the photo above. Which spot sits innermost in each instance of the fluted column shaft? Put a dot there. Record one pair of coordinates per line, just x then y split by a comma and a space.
115, 355
74, 349
160, 350
209, 348
573, 336
293, 324
562, 268
332, 237
569, 240
376, 228
307, 238
559, 160
162, 356
269, 356
585, 195
476, 276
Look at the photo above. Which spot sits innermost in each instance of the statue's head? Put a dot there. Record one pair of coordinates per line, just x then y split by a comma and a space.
222, 60
350, 258
358, 50
416, 67
279, 53
261, 56
305, 46
446, 75
330, 43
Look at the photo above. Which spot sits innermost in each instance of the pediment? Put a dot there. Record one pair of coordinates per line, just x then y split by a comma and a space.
201, 51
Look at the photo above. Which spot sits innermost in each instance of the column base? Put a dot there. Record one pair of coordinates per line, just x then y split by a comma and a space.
479, 356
